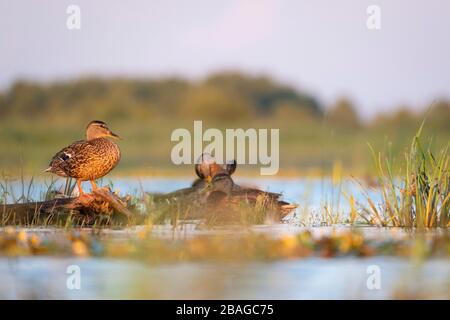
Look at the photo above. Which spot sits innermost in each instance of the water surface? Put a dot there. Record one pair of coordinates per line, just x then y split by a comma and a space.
306, 278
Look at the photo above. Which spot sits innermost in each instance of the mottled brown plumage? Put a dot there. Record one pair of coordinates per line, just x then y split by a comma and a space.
207, 168
214, 193
88, 159
226, 195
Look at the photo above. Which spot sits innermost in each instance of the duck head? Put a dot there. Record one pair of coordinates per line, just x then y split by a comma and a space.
206, 167
99, 129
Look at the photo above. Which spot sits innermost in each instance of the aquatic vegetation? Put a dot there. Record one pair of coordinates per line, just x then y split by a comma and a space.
419, 196
143, 245
331, 208
18, 243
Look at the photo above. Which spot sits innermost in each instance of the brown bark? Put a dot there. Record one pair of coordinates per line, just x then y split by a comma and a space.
100, 206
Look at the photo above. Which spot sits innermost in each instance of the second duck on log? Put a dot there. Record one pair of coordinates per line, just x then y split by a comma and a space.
215, 195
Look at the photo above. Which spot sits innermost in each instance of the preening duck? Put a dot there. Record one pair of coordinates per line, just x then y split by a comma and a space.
215, 193
227, 195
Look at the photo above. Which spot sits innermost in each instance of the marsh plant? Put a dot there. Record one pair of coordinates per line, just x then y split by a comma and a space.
418, 195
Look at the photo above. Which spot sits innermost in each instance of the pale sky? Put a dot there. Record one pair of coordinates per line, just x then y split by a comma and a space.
322, 47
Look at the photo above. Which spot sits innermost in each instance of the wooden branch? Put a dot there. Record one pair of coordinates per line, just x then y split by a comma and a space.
101, 205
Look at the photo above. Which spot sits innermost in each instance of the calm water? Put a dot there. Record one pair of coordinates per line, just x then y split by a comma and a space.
311, 278
307, 278
309, 193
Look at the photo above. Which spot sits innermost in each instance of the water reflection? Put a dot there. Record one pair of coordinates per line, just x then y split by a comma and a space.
311, 278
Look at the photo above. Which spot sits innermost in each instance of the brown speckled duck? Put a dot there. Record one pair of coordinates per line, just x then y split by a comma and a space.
88, 159
214, 193
208, 170
223, 192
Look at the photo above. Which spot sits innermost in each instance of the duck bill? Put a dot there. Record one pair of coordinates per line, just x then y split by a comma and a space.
115, 136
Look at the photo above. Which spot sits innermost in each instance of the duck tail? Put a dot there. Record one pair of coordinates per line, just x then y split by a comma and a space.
287, 208
49, 169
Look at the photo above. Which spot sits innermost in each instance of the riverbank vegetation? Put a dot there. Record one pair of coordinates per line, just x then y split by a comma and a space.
142, 244
38, 118
418, 194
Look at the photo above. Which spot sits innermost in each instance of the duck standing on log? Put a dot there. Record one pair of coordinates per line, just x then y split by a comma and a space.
88, 159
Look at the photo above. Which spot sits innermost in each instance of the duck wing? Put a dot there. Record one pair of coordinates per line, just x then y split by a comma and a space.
181, 194
269, 199
253, 193
65, 162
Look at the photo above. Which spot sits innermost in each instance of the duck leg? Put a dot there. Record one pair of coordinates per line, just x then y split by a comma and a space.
94, 186
80, 190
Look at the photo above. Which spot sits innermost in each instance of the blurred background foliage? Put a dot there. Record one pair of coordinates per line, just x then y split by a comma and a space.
37, 119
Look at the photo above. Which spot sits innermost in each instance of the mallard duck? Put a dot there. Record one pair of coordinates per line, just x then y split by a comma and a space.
225, 193
88, 159
215, 192
207, 169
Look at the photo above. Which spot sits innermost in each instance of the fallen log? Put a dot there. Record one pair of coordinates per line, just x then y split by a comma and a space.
99, 207
241, 204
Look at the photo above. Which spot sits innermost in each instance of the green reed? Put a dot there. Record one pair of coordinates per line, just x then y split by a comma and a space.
419, 195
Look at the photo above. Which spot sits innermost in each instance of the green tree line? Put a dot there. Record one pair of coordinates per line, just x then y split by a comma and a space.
224, 97
38, 118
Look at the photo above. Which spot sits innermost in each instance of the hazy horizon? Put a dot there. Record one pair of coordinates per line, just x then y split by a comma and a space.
322, 48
